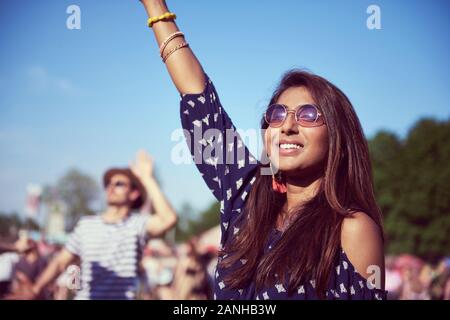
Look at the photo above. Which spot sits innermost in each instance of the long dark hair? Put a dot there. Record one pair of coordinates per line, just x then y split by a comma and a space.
309, 246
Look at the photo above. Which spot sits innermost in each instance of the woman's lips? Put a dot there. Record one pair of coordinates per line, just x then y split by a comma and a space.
289, 149
289, 152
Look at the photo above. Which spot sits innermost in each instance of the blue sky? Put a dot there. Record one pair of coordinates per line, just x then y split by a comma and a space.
90, 98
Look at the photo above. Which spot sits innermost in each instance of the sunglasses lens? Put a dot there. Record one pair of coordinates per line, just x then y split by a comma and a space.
275, 115
117, 184
308, 115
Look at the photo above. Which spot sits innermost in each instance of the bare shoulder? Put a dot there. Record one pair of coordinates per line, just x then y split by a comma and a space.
362, 241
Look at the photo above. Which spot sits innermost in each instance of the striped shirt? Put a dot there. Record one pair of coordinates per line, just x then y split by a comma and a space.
109, 254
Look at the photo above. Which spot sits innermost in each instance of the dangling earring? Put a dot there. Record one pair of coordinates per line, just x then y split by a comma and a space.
277, 183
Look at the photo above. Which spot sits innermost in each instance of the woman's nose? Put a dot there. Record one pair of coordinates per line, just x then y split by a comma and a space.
289, 124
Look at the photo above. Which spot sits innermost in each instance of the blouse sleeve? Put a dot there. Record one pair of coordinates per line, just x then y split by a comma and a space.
217, 149
350, 285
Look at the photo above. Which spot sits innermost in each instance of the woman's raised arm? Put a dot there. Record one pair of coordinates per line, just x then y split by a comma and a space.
184, 68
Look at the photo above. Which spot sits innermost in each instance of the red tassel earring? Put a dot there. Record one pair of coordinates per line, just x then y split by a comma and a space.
277, 184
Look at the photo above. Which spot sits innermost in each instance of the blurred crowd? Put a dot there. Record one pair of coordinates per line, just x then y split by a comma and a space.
167, 271
185, 271
410, 278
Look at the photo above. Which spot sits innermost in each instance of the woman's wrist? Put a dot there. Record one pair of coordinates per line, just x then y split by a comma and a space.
155, 7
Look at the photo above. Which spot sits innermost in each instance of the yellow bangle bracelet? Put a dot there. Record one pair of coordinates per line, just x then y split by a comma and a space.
168, 16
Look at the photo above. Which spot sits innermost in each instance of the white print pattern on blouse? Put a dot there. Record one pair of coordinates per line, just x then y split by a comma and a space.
241, 163
191, 103
235, 230
265, 296
240, 291
225, 225
244, 194
243, 261
239, 183
338, 268
301, 290
313, 283
197, 123
361, 284
201, 99
345, 264
352, 290
221, 285
186, 112
203, 142
216, 179
212, 161
206, 120
215, 117
229, 194
211, 140
343, 288
280, 287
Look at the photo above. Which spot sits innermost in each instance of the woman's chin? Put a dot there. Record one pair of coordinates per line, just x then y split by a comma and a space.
289, 166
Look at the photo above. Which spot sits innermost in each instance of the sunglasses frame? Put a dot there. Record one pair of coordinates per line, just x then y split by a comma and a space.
118, 184
287, 111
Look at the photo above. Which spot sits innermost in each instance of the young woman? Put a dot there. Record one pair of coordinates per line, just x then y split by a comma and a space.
312, 228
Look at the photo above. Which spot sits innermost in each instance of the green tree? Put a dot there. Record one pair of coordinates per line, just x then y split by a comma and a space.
78, 191
412, 179
190, 226
11, 223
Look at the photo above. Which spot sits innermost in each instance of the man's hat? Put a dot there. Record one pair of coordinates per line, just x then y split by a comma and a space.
135, 184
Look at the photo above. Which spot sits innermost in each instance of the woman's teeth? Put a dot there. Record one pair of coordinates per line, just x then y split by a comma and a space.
289, 146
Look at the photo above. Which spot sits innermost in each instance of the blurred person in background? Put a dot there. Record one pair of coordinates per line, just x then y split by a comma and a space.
440, 285
110, 245
28, 268
393, 279
9, 257
159, 264
191, 281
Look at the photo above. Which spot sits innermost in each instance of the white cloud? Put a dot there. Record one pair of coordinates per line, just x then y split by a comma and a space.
42, 81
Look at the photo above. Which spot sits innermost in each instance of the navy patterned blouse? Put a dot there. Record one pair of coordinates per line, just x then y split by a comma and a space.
230, 171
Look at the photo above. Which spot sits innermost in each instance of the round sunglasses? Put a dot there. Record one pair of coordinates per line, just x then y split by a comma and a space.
307, 115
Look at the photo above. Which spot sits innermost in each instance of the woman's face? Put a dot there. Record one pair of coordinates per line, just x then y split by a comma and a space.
312, 142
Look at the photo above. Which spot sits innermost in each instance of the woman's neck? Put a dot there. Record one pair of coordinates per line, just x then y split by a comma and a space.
301, 189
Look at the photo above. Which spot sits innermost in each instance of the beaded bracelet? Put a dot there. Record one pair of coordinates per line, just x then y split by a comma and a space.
169, 38
181, 45
168, 16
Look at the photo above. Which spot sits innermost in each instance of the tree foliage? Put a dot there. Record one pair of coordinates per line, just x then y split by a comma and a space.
412, 186
77, 191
